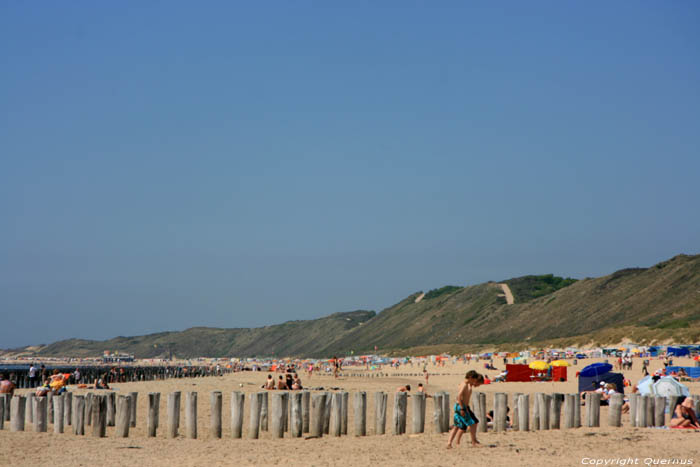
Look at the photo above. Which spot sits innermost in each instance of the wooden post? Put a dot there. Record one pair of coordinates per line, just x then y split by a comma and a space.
277, 415
577, 410
500, 402
524, 412
344, 426
336, 422
40, 410
318, 406
134, 403
152, 422
536, 412
515, 417
296, 422
555, 411
569, 410
446, 411
327, 413
380, 412
17, 409
650, 410
49, 406
88, 408
29, 409
264, 411
287, 411
437, 412
256, 401
3, 397
418, 412
399, 419
593, 409
79, 415
67, 407
306, 410
173, 414
237, 407
99, 416
215, 402
642, 404
111, 408
480, 414
58, 414
634, 401
123, 417
360, 406
191, 414
615, 410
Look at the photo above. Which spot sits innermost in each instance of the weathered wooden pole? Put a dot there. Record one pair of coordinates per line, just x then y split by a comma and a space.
480, 414
577, 410
67, 408
79, 415
58, 414
123, 417
344, 425
318, 406
153, 408
536, 412
215, 403
17, 409
399, 418
237, 407
29, 409
642, 411
191, 414
360, 406
336, 422
297, 422
287, 411
593, 409
650, 410
569, 410
134, 404
111, 408
515, 425
500, 403
418, 412
380, 412
615, 410
277, 415
446, 411
437, 412
306, 410
555, 411
256, 401
2, 410
99, 416
327, 413
88, 408
524, 412
660, 411
40, 413
634, 401
49, 406
173, 414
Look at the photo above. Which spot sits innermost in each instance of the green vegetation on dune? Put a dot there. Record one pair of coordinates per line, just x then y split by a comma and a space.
527, 288
441, 291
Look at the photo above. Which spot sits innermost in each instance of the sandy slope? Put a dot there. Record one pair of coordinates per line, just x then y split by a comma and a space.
565, 447
509, 295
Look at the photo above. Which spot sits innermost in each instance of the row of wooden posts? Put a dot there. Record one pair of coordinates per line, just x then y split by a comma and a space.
318, 413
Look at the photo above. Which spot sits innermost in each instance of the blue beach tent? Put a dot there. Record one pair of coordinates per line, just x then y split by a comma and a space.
591, 383
678, 351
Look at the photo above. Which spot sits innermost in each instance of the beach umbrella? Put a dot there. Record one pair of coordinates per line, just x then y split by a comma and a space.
560, 363
539, 365
596, 369
644, 385
668, 386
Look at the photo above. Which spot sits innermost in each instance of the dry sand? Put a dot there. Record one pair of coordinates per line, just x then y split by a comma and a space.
557, 447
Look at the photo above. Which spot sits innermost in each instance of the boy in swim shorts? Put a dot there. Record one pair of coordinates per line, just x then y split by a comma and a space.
464, 418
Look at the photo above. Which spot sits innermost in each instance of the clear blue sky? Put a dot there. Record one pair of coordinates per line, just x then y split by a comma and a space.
173, 164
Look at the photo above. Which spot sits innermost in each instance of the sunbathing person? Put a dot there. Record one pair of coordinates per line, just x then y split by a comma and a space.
684, 415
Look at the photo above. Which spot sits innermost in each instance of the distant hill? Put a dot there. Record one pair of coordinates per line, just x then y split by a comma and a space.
656, 304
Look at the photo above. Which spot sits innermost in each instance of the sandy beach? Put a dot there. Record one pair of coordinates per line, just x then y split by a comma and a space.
583, 446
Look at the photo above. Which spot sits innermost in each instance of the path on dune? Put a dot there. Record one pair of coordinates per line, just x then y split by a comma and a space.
508, 293
419, 298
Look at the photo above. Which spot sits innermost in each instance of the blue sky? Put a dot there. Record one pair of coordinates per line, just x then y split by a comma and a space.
170, 164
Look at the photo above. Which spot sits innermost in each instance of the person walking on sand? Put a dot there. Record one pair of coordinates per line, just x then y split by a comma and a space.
464, 418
